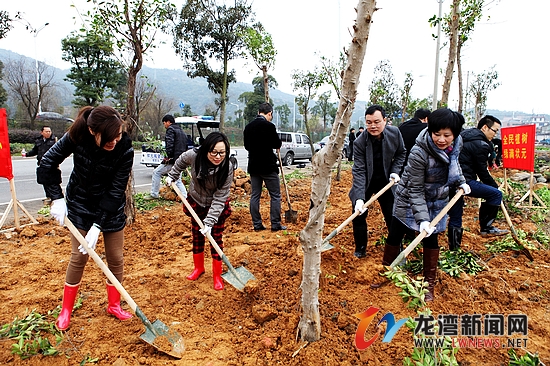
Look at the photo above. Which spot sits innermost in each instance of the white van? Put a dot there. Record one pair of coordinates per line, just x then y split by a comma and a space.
295, 146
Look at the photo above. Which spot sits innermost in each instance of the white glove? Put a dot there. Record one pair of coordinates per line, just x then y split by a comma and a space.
58, 210
395, 177
425, 226
359, 206
206, 230
169, 181
466, 188
91, 238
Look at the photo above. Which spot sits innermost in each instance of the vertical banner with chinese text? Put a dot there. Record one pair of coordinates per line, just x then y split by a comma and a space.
518, 147
6, 170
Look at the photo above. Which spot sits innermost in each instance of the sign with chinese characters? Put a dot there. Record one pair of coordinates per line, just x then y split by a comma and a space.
5, 156
518, 147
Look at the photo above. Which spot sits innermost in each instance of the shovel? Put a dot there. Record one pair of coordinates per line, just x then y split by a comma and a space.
157, 334
290, 215
236, 277
422, 235
325, 245
523, 249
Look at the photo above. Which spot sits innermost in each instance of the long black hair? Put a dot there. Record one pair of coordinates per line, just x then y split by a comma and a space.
203, 165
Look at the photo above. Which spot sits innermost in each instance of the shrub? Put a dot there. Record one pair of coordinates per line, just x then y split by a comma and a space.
23, 136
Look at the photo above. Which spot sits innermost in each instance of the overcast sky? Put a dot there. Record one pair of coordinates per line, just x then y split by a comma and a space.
515, 39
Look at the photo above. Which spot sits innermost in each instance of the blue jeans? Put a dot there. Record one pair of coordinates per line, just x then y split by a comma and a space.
491, 195
158, 173
273, 185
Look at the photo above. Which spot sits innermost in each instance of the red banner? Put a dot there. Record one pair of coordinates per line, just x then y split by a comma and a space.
518, 147
6, 170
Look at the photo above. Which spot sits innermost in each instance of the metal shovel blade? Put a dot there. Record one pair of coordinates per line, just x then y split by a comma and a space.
326, 246
291, 216
239, 278
160, 336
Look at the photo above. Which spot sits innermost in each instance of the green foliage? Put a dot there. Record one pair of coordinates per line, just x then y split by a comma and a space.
3, 92
146, 205
95, 71
456, 262
296, 174
383, 89
480, 86
412, 291
17, 135
542, 238
32, 335
525, 360
508, 243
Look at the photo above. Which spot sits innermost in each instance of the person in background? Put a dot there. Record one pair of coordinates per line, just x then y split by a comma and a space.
496, 157
211, 179
361, 129
351, 141
423, 191
42, 145
260, 138
94, 198
411, 129
473, 160
175, 144
379, 157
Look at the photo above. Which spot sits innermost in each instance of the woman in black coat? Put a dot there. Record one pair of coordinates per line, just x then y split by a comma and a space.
94, 197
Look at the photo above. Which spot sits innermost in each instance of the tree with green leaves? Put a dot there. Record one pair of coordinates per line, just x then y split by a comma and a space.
95, 71
253, 99
283, 113
307, 84
187, 112
334, 71
383, 88
482, 84
406, 94
134, 25
324, 108
211, 33
259, 46
3, 92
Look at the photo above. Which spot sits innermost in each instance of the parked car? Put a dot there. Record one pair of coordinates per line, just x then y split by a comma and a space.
345, 149
196, 128
52, 116
544, 142
295, 146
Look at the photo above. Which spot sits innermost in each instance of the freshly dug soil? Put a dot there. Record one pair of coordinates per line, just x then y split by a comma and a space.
259, 326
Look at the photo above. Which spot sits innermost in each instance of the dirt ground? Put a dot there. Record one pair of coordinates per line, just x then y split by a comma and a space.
230, 327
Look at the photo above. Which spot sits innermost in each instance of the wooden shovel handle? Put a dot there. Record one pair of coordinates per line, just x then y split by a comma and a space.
422, 234
131, 303
284, 179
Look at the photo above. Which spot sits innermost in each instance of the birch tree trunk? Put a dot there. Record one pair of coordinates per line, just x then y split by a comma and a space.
453, 41
460, 83
309, 327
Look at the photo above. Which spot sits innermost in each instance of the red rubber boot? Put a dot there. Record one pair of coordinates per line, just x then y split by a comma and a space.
114, 308
69, 296
198, 260
217, 274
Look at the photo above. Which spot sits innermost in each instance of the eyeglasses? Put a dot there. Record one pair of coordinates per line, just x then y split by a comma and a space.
495, 131
216, 153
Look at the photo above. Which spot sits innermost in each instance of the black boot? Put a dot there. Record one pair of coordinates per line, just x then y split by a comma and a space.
361, 238
360, 251
487, 215
454, 234
430, 258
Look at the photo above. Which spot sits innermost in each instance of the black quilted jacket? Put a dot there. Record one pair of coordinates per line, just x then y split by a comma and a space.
97, 185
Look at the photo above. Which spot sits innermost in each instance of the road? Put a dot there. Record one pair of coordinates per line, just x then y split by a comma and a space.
31, 194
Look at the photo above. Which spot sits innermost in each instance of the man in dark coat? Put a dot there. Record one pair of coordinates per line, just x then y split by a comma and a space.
175, 144
411, 128
379, 156
473, 161
260, 138
42, 144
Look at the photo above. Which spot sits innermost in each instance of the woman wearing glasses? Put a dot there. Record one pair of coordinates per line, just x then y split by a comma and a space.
211, 179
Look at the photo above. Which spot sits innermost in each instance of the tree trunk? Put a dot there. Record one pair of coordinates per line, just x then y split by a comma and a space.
309, 327
266, 83
453, 41
459, 75
223, 96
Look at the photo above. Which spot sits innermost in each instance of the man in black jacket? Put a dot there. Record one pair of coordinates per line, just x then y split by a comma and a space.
260, 138
42, 144
379, 154
411, 128
477, 147
176, 143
